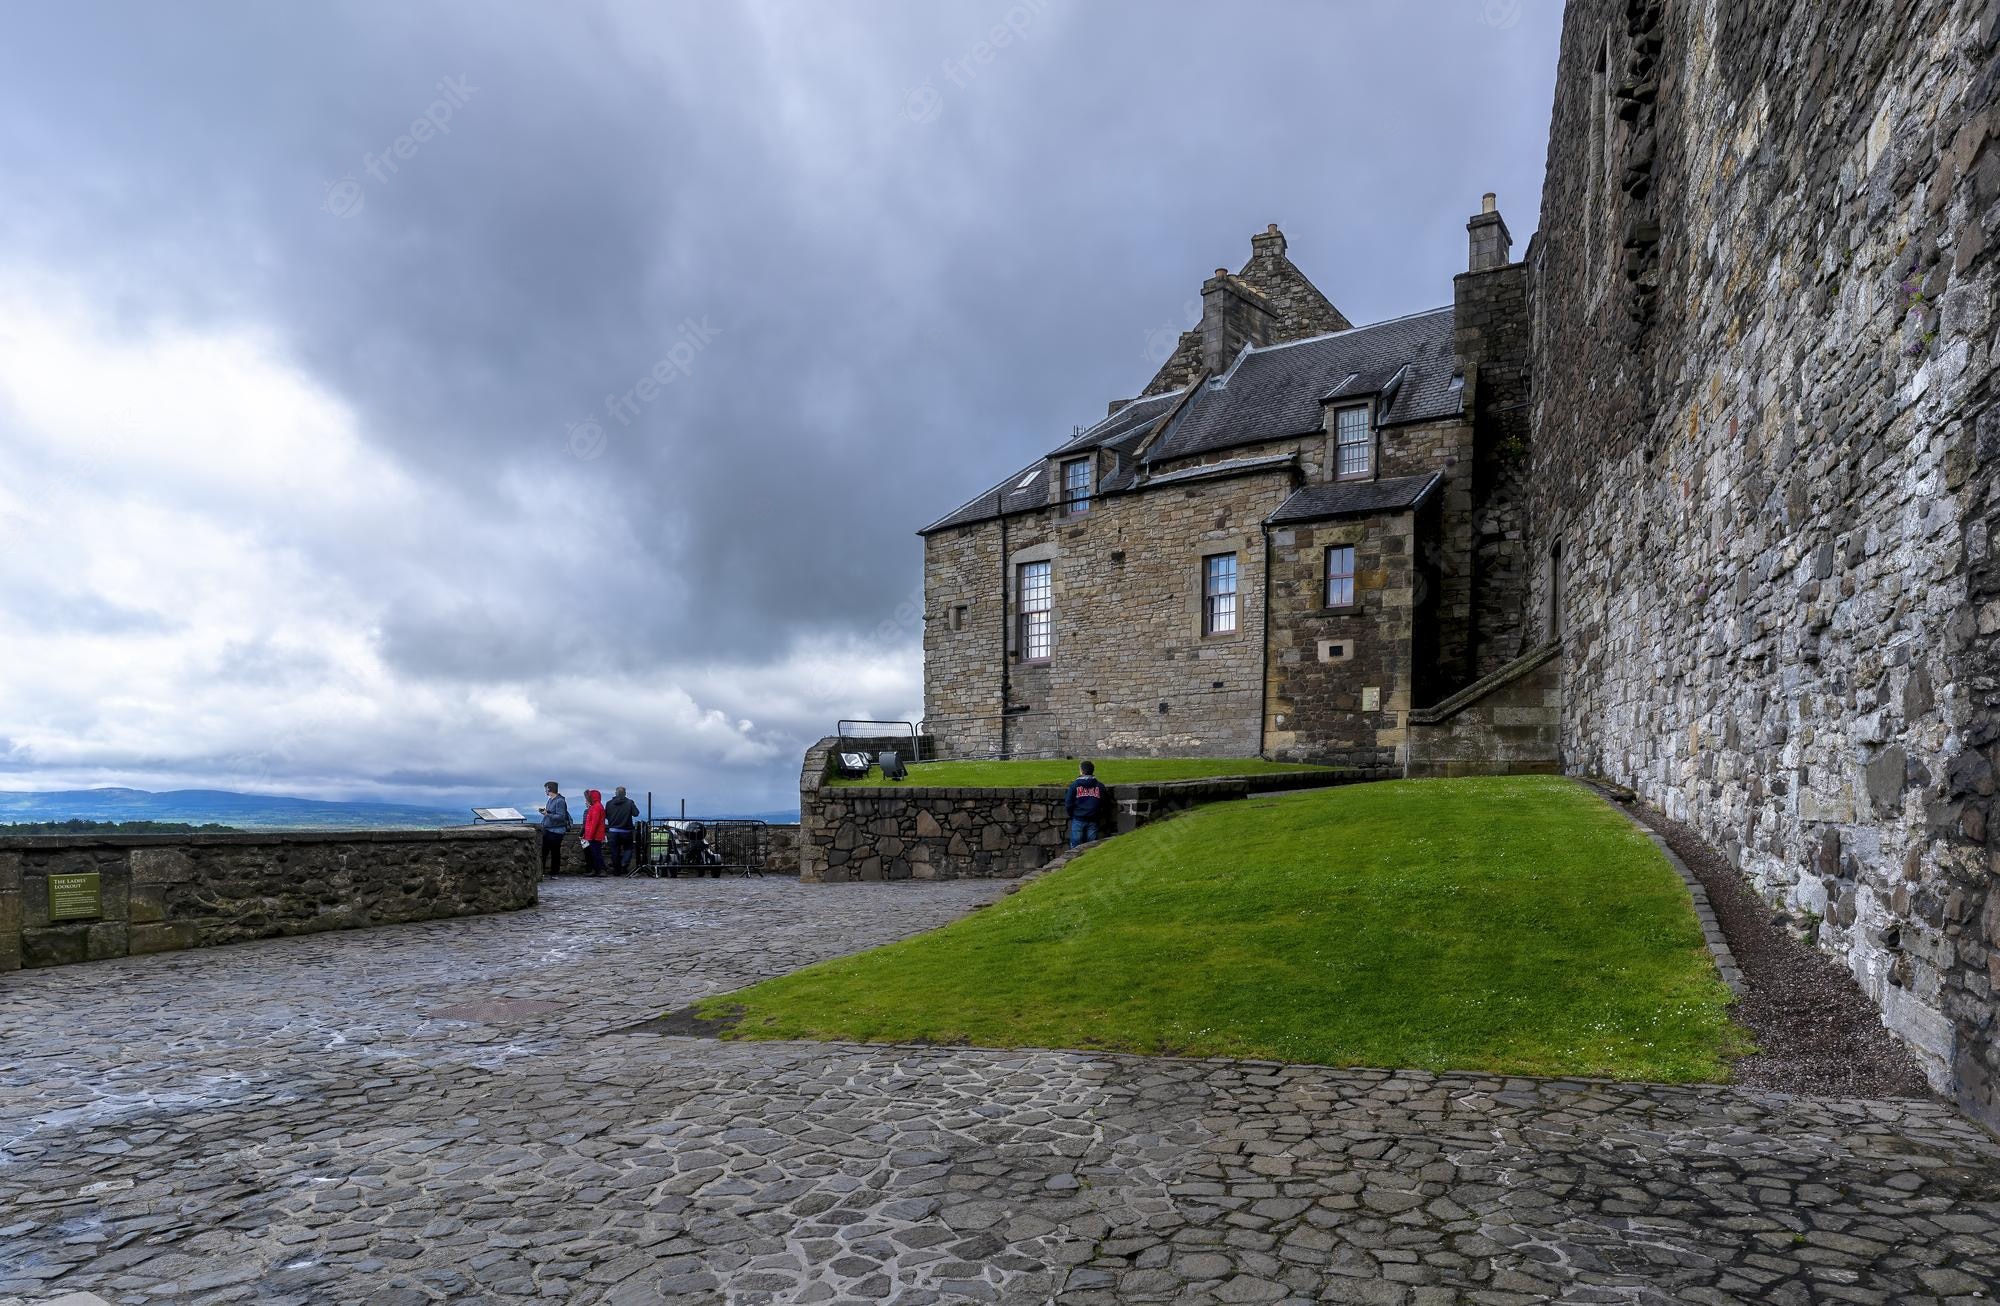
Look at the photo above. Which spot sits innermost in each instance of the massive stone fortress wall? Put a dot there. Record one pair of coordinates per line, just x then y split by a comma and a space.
158, 893
1763, 305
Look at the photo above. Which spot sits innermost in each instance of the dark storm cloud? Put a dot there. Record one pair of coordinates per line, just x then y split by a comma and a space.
881, 255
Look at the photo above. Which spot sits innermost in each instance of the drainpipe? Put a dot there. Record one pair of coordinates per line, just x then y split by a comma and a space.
1006, 687
1264, 681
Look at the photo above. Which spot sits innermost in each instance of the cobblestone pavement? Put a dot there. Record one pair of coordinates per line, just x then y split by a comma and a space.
295, 1121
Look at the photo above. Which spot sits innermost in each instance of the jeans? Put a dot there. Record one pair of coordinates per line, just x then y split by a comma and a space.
621, 848
1081, 831
552, 843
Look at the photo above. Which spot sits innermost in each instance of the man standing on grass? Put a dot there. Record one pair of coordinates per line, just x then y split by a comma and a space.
1083, 802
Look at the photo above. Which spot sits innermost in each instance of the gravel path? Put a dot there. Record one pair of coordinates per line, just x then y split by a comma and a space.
1816, 1032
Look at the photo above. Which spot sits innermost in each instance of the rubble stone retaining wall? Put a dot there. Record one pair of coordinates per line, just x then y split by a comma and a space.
159, 893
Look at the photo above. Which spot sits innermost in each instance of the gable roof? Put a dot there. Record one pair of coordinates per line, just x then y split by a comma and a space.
1124, 427
1277, 391
1355, 498
1407, 364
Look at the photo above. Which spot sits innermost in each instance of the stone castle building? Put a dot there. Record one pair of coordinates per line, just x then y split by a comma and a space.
1726, 436
1298, 531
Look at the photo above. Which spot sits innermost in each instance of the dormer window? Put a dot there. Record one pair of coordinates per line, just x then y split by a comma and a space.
1076, 487
1354, 444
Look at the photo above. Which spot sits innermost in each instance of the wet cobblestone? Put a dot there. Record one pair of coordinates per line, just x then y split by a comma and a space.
293, 1121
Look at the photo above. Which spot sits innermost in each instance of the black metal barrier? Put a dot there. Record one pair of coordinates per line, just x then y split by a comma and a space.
695, 847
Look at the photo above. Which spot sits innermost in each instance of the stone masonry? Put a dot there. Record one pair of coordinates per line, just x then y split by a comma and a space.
1764, 450
160, 893
916, 832
1510, 723
1321, 716
1142, 677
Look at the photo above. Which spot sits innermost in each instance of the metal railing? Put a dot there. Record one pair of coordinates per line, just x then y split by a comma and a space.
743, 846
912, 729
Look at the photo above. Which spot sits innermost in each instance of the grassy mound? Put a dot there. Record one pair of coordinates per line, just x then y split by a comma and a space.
1513, 925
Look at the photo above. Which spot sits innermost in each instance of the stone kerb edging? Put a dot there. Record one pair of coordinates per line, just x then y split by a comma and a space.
1711, 929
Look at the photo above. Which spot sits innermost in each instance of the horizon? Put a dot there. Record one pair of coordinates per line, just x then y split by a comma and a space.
559, 394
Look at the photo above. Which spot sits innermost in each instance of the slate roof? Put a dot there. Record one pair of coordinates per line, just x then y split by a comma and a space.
1228, 467
1407, 364
1121, 430
1125, 427
1276, 391
1355, 498
1028, 489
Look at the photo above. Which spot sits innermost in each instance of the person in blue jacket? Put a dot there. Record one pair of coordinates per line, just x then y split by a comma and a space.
555, 824
1083, 802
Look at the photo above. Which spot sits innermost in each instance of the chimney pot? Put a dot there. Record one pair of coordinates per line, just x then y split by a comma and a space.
1222, 272
1272, 228
1489, 203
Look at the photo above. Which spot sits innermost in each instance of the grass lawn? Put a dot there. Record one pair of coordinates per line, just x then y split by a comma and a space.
1112, 770
1515, 924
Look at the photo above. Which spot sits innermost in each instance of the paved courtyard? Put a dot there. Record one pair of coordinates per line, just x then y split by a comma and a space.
451, 1112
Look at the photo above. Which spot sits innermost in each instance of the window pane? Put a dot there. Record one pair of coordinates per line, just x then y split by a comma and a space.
1076, 486
1340, 577
1036, 600
1354, 456
1218, 588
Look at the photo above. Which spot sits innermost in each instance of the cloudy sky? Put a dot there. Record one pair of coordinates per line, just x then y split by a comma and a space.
323, 329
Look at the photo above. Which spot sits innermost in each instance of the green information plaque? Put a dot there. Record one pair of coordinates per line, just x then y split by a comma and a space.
76, 897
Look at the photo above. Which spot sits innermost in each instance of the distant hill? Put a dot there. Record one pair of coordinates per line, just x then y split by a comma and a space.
221, 807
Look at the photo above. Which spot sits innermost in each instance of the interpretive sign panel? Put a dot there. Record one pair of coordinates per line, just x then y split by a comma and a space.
78, 897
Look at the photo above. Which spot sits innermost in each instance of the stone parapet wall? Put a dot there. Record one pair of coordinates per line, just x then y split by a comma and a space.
1510, 723
159, 893
905, 832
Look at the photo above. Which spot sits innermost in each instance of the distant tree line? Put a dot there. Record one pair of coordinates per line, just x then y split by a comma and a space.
113, 827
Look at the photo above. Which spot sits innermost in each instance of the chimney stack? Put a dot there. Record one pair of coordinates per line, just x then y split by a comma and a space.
1491, 246
1268, 244
1233, 314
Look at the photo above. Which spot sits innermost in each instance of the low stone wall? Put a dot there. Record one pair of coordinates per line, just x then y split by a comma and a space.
1508, 723
783, 856
905, 832
159, 893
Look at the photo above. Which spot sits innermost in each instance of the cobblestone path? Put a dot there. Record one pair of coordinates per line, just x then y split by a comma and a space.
448, 1112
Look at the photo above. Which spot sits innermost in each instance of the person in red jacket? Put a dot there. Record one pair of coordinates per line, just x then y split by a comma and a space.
593, 832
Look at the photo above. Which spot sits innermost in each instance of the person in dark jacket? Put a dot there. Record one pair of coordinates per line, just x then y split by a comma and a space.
621, 820
1083, 802
555, 825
